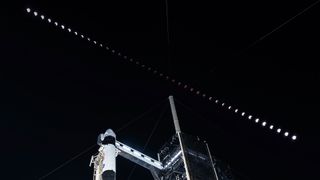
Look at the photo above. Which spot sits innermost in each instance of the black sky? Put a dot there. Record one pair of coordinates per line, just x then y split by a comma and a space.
59, 92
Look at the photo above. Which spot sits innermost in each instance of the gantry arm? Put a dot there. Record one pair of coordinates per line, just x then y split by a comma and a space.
138, 157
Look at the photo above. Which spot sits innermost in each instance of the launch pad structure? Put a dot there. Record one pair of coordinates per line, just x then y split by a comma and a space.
183, 157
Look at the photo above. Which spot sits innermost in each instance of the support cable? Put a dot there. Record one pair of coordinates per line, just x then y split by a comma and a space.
283, 24
67, 162
168, 38
149, 138
140, 116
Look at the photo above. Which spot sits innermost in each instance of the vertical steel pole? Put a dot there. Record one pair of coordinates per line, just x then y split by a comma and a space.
178, 131
174, 115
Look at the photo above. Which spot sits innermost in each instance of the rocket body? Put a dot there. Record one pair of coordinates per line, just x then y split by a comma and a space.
108, 141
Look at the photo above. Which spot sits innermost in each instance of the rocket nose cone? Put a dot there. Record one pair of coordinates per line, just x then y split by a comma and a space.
109, 132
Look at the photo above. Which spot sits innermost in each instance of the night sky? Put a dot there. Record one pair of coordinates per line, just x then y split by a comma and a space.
58, 92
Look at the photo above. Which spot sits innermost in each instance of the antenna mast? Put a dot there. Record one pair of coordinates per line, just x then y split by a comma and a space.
178, 132
174, 115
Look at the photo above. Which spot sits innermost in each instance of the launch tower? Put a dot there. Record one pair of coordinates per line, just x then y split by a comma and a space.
183, 157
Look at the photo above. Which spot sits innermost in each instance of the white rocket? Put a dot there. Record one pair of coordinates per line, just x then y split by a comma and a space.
105, 161
109, 151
